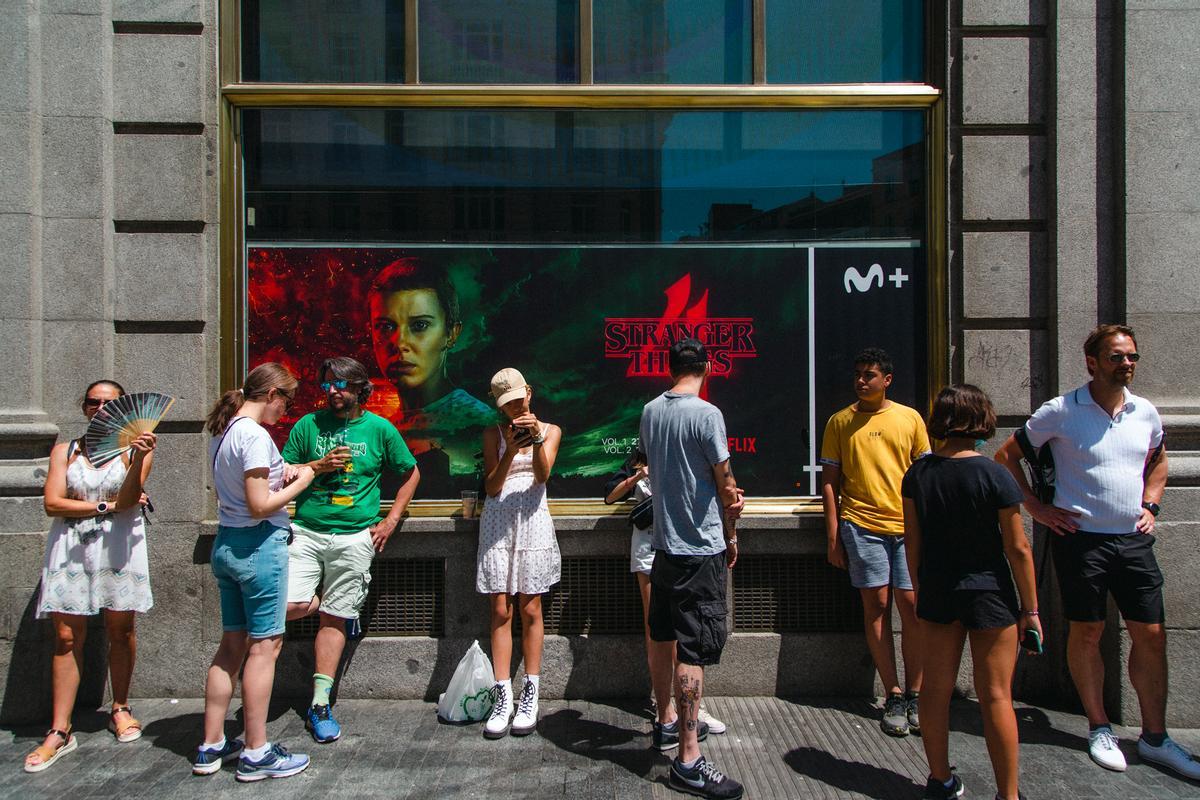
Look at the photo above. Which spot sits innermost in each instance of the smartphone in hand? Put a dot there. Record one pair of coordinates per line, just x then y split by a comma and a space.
522, 437
1032, 641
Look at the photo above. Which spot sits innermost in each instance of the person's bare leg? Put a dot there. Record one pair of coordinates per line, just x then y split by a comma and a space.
303, 609
257, 680
943, 652
222, 678
532, 632
122, 652
994, 653
1087, 668
1148, 672
877, 624
330, 643
689, 689
660, 659
66, 666
501, 624
911, 647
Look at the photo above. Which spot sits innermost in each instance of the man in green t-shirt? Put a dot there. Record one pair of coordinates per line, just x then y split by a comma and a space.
338, 528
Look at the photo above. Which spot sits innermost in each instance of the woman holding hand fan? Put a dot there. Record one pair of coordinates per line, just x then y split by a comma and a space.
95, 562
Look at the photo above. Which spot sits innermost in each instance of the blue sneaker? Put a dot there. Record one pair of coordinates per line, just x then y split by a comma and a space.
320, 722
207, 762
278, 763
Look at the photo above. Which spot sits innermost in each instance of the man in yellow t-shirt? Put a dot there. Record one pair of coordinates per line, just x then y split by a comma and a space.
867, 448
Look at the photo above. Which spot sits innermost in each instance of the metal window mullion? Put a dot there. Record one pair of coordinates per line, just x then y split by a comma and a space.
758, 42
587, 75
412, 68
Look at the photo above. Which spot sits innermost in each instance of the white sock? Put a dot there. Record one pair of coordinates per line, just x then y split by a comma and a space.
533, 679
690, 764
507, 684
214, 747
256, 753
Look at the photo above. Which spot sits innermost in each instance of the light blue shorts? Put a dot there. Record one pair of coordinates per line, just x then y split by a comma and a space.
251, 567
875, 559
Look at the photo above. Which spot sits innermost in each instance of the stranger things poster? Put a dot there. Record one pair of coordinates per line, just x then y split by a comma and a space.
589, 327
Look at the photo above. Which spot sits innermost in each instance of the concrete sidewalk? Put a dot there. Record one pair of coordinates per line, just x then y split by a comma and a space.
820, 748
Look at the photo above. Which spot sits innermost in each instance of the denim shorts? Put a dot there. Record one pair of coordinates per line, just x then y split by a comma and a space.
251, 567
875, 559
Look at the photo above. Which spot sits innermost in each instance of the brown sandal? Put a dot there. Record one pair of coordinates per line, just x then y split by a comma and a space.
51, 754
126, 731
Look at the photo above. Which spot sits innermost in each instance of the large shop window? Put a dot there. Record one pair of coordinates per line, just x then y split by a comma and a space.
437, 246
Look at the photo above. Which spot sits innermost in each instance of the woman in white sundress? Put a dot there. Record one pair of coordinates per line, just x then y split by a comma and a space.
95, 562
518, 552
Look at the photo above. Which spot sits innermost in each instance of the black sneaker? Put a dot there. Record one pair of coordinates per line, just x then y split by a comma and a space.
912, 705
666, 737
936, 790
895, 715
704, 780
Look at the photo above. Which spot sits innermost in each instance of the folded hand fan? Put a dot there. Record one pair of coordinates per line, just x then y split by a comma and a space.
120, 421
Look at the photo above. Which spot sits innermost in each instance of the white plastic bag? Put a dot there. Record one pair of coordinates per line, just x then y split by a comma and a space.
468, 698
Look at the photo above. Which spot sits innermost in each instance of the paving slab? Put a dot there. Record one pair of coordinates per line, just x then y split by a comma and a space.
781, 749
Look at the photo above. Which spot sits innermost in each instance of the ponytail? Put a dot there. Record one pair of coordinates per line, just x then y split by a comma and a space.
261, 380
225, 409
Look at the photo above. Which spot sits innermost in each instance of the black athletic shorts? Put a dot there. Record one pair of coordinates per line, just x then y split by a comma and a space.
687, 605
1090, 565
976, 609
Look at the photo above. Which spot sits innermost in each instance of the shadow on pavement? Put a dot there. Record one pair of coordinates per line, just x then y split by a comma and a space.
629, 749
852, 776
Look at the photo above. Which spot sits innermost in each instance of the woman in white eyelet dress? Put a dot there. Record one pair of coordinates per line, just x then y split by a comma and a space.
518, 557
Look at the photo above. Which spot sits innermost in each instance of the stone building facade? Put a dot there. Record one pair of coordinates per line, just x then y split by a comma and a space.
1070, 173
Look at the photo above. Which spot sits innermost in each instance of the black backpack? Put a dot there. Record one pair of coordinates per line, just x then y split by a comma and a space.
1039, 462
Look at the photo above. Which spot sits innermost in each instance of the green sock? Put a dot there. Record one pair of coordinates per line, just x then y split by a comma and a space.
322, 686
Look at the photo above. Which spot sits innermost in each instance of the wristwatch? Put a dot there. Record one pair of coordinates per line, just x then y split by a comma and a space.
102, 507
1151, 507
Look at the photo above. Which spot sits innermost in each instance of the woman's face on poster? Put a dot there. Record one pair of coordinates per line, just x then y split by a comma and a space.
410, 335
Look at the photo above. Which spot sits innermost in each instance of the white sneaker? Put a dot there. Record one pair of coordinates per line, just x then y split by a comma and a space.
525, 722
1103, 748
502, 711
714, 725
1170, 754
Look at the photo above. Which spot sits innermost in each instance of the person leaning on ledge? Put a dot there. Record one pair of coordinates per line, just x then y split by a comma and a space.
1110, 472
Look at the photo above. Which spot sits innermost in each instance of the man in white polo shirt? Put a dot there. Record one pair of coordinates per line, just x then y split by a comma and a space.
1110, 472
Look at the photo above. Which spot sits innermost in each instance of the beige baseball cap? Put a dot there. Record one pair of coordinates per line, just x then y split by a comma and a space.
507, 384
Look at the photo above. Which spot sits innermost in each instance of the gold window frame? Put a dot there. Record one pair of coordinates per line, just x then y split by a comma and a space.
236, 95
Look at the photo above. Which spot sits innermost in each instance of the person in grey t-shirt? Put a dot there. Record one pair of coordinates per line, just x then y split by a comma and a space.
695, 502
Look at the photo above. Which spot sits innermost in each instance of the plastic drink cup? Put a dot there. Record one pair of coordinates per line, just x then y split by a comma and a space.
470, 501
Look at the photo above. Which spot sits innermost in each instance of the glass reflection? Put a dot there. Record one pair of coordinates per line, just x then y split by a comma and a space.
671, 41
845, 41
517, 41
584, 176
315, 41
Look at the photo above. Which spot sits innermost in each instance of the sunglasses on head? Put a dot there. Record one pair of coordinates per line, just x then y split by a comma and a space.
1117, 358
339, 384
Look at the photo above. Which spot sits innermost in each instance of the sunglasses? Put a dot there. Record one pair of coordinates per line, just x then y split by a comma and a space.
1118, 358
92, 402
289, 399
340, 384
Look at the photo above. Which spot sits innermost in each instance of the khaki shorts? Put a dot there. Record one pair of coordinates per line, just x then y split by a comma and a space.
342, 559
